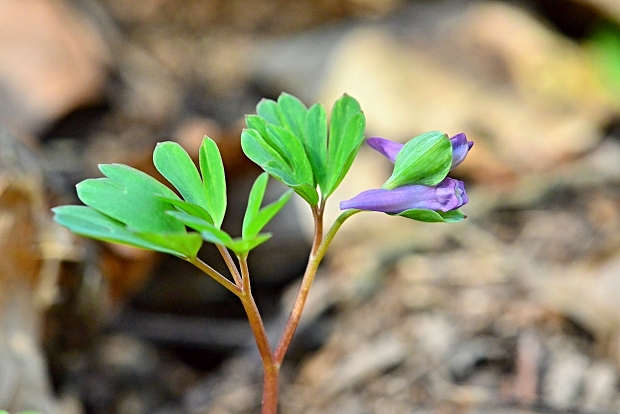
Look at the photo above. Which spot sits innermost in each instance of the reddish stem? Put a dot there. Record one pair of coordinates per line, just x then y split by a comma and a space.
317, 254
230, 264
271, 369
273, 360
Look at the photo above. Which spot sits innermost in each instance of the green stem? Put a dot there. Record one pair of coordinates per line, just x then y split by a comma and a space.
316, 255
216, 275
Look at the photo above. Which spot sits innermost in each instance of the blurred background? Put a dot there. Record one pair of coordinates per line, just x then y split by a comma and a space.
514, 310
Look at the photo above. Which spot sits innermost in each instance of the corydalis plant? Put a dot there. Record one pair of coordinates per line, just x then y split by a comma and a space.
297, 146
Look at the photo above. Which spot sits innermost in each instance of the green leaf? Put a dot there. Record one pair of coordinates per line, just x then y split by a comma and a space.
131, 197
278, 144
257, 123
187, 244
267, 213
190, 208
425, 160
243, 246
214, 235
212, 169
175, 164
288, 112
346, 135
89, 222
260, 152
293, 114
430, 216
207, 230
315, 143
307, 192
269, 109
354, 136
255, 217
256, 149
292, 151
255, 199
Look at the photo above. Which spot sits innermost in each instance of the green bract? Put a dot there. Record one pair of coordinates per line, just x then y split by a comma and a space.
424, 160
291, 143
430, 216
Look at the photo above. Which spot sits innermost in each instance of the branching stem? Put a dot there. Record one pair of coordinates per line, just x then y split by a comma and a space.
216, 275
270, 367
230, 263
316, 255
272, 360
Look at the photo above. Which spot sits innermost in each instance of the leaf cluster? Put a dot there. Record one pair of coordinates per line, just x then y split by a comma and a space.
296, 145
129, 207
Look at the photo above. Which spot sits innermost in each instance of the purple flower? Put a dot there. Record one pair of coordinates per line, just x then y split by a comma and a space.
420, 202
390, 149
447, 195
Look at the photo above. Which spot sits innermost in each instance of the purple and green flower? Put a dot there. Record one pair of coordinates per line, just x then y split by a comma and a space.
419, 187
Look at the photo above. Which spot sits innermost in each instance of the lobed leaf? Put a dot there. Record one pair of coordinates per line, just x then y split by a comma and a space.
315, 143
255, 199
354, 137
210, 233
207, 230
269, 110
131, 197
243, 246
292, 151
89, 222
187, 244
267, 213
261, 153
293, 115
175, 164
257, 123
190, 208
346, 135
256, 218
214, 178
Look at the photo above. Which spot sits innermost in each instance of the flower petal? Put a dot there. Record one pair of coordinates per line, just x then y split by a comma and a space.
460, 148
447, 195
389, 149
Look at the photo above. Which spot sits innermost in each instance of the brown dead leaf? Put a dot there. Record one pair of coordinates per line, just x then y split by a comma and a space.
52, 61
